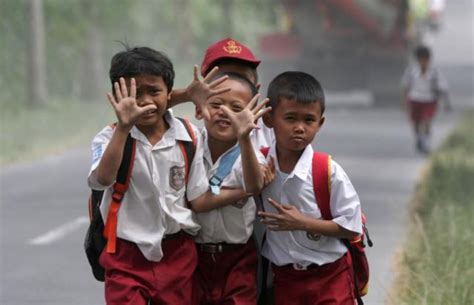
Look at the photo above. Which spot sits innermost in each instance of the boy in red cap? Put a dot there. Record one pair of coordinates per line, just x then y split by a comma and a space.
229, 55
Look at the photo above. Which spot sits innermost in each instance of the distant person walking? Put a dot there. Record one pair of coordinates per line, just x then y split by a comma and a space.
423, 85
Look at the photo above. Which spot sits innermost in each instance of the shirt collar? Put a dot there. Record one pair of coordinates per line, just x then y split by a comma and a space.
206, 150
176, 132
303, 165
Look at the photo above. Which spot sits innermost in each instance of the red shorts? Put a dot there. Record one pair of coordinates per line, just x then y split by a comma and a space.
329, 284
228, 277
132, 279
422, 111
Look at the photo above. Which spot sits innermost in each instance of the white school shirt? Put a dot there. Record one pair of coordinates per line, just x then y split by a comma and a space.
422, 87
154, 204
232, 224
296, 188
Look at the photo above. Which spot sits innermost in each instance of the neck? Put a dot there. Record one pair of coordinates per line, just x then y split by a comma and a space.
287, 159
155, 132
217, 147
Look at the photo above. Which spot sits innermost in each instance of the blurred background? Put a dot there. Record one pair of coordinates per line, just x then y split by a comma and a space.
54, 60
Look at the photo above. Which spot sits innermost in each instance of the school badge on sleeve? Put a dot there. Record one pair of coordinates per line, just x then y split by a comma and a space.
177, 177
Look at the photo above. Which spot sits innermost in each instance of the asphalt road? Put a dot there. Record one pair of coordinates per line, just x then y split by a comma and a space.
44, 207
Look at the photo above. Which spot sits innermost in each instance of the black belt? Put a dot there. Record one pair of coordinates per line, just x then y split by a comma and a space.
217, 248
174, 235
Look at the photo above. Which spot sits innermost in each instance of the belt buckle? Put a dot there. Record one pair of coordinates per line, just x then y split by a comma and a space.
217, 248
299, 267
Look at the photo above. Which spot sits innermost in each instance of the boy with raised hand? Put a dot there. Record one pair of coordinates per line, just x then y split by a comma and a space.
309, 261
153, 254
227, 266
229, 55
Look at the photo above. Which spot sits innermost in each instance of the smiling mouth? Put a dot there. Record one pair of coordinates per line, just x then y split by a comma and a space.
150, 112
223, 123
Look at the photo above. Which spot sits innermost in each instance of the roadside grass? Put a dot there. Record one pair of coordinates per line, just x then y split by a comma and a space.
436, 264
28, 133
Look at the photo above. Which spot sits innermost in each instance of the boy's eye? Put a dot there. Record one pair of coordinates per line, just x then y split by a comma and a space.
154, 91
289, 118
215, 105
310, 120
237, 108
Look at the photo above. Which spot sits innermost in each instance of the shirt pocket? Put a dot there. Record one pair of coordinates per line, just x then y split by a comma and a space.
306, 239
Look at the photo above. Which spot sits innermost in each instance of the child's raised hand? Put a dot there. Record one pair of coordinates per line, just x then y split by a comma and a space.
126, 108
288, 217
200, 90
243, 122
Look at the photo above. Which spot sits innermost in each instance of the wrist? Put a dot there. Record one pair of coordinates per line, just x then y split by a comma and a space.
123, 129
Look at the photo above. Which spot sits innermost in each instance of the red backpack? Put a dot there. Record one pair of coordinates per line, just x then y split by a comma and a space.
321, 169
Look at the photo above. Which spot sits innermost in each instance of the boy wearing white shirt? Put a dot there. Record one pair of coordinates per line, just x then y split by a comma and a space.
309, 261
423, 85
227, 265
152, 255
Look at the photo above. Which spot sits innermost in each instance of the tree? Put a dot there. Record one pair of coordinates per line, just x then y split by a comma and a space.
37, 85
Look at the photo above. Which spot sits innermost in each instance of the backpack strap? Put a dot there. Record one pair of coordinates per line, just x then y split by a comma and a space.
119, 188
223, 170
188, 149
322, 182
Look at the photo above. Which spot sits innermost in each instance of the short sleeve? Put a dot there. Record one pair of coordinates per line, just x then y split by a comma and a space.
98, 146
345, 204
197, 183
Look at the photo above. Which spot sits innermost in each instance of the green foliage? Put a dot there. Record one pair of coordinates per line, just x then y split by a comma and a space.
183, 29
437, 262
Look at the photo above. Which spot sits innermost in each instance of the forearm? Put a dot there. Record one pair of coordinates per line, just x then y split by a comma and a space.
326, 228
110, 161
252, 173
209, 201
178, 96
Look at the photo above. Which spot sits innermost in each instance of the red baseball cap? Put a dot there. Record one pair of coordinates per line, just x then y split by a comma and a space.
227, 48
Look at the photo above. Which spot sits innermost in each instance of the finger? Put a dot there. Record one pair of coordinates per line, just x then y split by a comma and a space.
261, 106
229, 113
196, 72
261, 113
123, 87
118, 94
276, 205
211, 74
218, 81
268, 215
111, 99
146, 108
271, 222
219, 91
205, 113
253, 101
133, 88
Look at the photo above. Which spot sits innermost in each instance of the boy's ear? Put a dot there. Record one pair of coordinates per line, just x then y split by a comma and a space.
268, 119
169, 95
198, 113
321, 121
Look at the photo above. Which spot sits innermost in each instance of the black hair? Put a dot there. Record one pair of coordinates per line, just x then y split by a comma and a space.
296, 86
230, 60
141, 61
422, 52
240, 78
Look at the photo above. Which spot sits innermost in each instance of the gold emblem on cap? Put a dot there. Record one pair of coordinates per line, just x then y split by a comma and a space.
232, 47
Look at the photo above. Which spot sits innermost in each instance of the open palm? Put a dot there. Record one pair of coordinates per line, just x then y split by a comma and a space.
126, 108
244, 122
